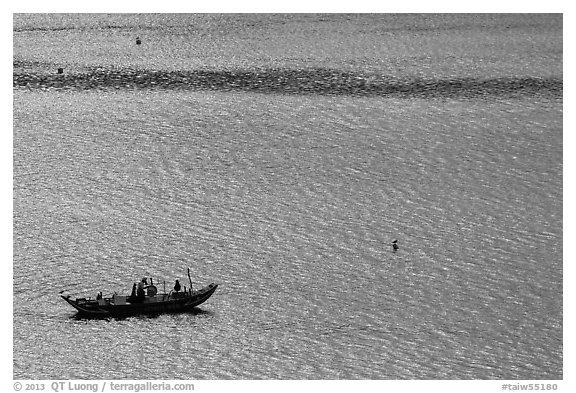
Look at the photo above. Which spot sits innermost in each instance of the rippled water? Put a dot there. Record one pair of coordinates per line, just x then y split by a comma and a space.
268, 154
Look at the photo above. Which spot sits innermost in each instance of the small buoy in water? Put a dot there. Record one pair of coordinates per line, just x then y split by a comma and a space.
60, 70
138, 41
395, 245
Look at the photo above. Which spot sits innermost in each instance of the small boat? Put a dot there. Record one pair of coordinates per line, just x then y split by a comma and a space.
150, 303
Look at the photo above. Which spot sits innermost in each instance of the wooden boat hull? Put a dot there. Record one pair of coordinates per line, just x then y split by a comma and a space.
159, 304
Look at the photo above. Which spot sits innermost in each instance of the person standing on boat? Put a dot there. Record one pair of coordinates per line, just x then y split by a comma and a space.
177, 286
141, 285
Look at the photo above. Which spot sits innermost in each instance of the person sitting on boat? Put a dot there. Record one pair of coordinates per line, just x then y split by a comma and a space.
177, 286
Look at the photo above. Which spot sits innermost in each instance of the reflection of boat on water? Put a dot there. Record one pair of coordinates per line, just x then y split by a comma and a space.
151, 303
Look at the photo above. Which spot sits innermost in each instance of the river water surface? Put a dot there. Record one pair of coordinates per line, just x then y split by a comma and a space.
279, 156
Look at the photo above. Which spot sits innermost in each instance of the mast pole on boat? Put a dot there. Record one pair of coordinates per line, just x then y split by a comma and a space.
190, 280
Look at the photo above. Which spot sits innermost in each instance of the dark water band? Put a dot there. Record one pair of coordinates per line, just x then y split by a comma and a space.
289, 81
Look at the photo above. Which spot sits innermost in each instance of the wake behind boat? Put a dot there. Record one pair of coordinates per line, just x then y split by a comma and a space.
139, 302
